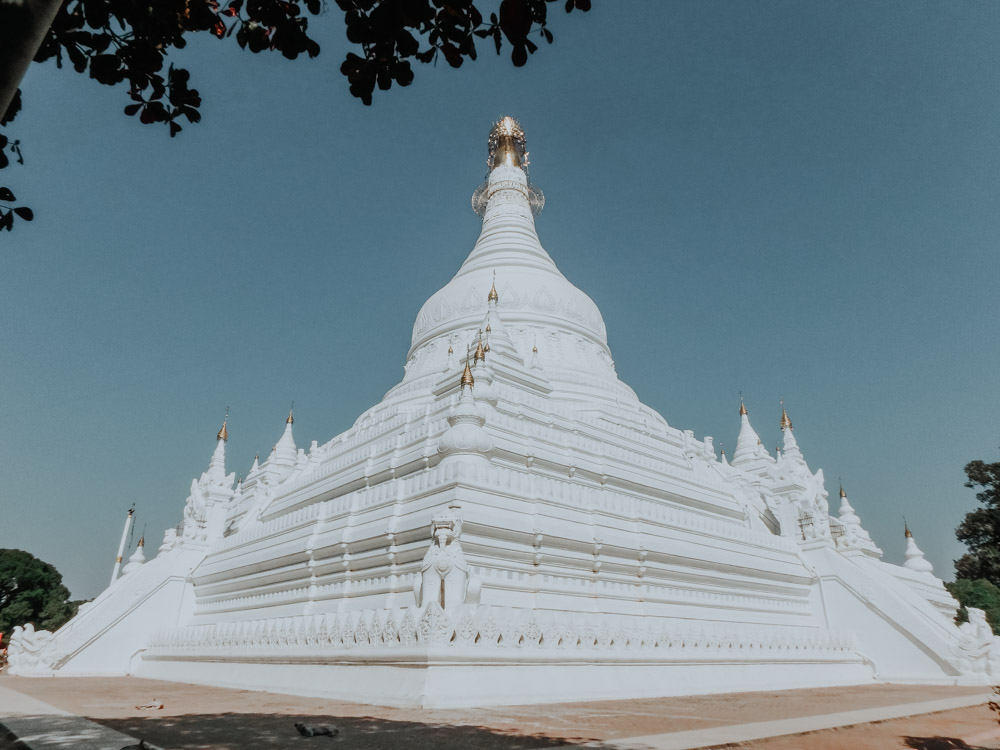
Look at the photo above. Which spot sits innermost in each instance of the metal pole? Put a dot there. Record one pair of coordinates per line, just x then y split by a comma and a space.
121, 547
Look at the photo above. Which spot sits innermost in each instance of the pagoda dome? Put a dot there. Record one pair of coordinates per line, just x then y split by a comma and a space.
536, 302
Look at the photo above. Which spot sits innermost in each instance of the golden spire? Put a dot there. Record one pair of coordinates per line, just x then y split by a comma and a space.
506, 143
488, 329
480, 354
534, 349
493, 296
486, 347
450, 350
842, 493
142, 541
223, 433
743, 409
290, 419
467, 379
785, 421
906, 530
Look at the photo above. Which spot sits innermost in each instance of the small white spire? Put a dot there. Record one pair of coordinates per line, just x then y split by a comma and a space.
848, 516
137, 558
789, 445
915, 559
284, 453
748, 445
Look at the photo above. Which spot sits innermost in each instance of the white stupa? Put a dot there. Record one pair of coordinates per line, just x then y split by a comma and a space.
510, 524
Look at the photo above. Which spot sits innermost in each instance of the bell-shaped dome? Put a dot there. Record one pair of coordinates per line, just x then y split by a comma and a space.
538, 305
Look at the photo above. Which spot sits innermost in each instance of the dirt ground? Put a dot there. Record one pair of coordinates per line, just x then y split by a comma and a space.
205, 718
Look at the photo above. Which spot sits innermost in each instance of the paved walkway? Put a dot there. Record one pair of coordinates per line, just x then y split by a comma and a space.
39, 726
76, 712
735, 733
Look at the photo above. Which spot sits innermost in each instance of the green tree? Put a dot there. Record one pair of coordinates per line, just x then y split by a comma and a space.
980, 531
31, 591
980, 594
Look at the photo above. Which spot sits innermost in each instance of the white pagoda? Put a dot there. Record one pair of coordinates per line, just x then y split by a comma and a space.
510, 524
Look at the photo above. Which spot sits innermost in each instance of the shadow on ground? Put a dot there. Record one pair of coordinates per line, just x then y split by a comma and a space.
238, 731
939, 743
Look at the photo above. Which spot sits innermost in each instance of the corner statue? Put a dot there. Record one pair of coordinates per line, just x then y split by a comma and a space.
444, 572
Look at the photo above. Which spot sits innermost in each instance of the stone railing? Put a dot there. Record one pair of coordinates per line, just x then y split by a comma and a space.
486, 628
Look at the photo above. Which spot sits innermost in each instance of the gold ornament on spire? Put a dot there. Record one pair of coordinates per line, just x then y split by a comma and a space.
142, 541
743, 409
842, 493
467, 379
223, 432
480, 354
493, 296
785, 421
906, 530
507, 144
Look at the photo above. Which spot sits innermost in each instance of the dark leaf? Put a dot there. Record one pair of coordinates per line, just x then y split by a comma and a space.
131, 109
13, 109
6, 194
25, 213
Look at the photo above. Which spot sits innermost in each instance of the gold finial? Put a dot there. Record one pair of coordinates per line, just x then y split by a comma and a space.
743, 409
842, 493
467, 379
480, 354
142, 541
450, 350
291, 419
785, 421
493, 296
906, 530
223, 433
507, 143
486, 348
488, 329
534, 349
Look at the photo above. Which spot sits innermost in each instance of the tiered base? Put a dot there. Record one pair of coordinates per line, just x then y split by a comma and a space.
484, 655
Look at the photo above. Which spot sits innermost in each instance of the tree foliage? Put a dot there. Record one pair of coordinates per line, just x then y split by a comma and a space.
980, 594
126, 43
31, 591
980, 531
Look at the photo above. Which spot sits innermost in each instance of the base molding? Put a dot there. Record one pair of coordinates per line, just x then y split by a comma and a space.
439, 681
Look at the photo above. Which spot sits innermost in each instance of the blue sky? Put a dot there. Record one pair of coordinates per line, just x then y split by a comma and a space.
787, 199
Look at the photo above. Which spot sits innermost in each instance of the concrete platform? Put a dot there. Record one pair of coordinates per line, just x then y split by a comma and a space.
92, 713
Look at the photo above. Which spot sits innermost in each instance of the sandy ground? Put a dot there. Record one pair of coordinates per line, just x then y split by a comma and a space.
202, 718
